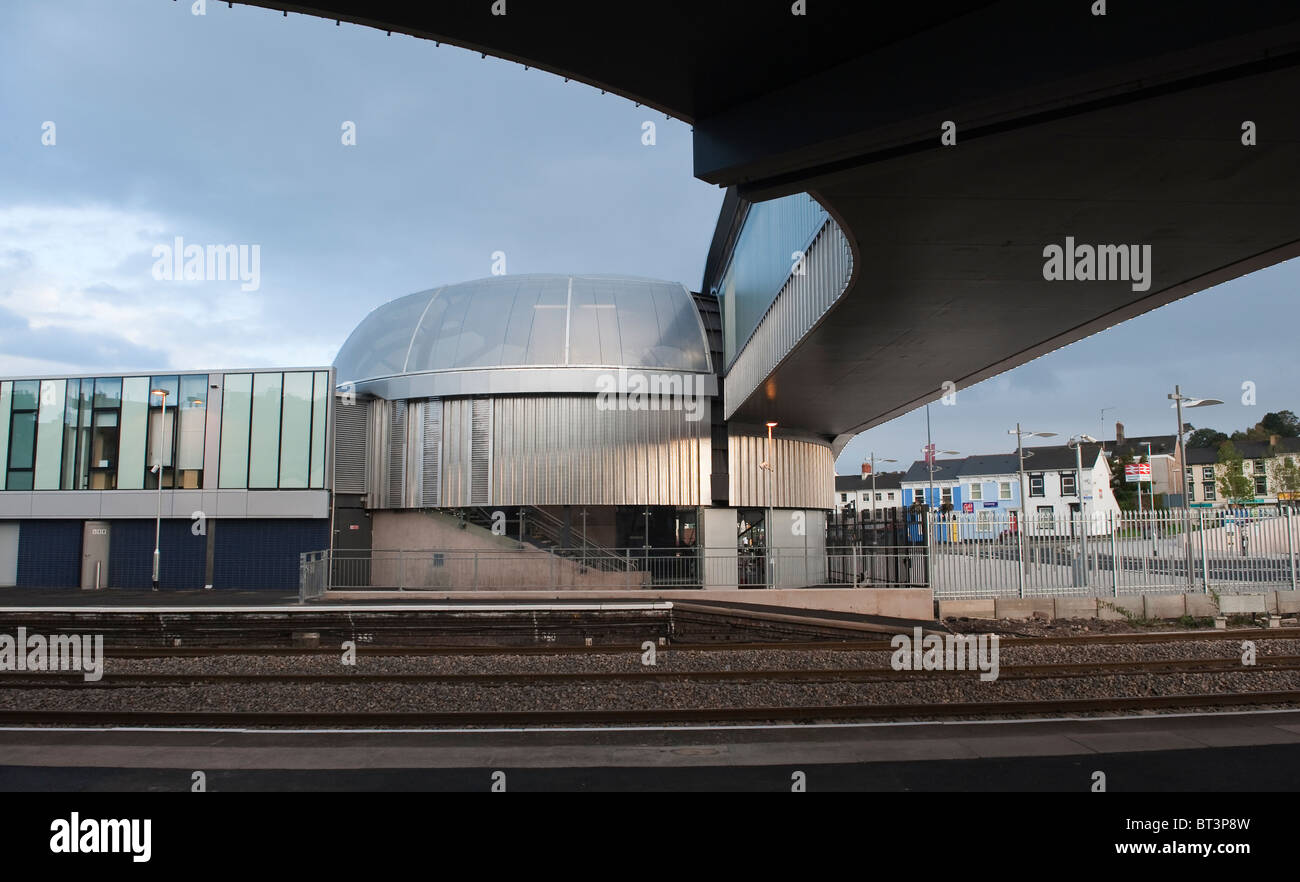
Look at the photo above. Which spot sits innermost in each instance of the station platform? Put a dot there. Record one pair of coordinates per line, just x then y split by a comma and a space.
1249, 751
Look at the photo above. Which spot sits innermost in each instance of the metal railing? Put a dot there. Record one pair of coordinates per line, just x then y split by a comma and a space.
527, 568
1113, 553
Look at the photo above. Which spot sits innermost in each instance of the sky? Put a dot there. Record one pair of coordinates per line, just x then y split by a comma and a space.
228, 128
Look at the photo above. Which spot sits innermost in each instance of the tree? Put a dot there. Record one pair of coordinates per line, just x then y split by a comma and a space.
1206, 438
1285, 477
1125, 492
1284, 423
1234, 486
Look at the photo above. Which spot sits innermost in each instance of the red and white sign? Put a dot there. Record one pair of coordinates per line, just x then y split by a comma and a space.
866, 470
968, 507
1137, 471
929, 454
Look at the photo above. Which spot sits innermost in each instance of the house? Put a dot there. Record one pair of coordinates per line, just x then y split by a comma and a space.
1163, 451
1261, 461
982, 493
853, 494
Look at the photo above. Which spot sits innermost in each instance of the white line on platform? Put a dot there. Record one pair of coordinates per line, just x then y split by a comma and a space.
572, 729
352, 608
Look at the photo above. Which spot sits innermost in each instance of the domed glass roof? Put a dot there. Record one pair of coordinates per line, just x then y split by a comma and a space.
529, 321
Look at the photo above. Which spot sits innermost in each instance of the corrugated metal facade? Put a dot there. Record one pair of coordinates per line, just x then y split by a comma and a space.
565, 450
803, 475
541, 450
350, 446
828, 265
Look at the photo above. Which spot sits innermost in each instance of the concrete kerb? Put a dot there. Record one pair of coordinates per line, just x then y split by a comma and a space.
1150, 606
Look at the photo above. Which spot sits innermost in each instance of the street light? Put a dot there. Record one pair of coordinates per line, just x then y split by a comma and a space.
158, 465
1179, 401
1021, 435
1077, 442
873, 483
1152, 467
766, 465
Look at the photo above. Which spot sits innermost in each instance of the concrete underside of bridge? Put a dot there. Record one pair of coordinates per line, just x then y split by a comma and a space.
1116, 129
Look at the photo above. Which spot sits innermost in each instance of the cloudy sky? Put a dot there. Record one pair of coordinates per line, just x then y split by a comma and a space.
226, 128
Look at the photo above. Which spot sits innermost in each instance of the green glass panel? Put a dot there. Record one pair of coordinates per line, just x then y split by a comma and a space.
236, 403
132, 431
49, 435
295, 431
319, 413
264, 439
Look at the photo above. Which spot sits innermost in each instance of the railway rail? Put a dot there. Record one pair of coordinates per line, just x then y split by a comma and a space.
775, 714
131, 651
59, 680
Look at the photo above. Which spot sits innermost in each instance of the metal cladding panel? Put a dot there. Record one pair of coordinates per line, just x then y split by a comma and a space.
803, 475
565, 450
396, 453
804, 299
455, 452
480, 452
431, 479
350, 434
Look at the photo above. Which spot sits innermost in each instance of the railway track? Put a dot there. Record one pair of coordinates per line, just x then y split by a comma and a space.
183, 651
776, 714
30, 680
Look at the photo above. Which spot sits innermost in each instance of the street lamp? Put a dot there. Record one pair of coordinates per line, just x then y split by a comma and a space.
1179, 401
158, 465
1077, 442
766, 465
1022, 525
873, 483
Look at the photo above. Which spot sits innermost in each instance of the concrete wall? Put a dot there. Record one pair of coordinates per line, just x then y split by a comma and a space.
1151, 606
438, 553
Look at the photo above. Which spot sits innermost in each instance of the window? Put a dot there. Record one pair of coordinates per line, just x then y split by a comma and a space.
6, 398
1004, 490
844, 497
984, 521
976, 492
1207, 473
1208, 489
25, 398
1046, 516
1036, 485
236, 404
947, 496
891, 497
1261, 483
878, 495
162, 432
133, 429
1069, 484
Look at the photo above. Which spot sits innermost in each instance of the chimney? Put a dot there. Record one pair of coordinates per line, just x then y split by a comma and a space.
1119, 434
1273, 440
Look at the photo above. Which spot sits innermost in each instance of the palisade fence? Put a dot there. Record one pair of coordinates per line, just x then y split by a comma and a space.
981, 554
1202, 550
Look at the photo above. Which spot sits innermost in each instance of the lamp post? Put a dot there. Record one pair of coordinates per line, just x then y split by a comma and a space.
157, 524
766, 465
1077, 442
1152, 466
1021, 435
1179, 400
873, 483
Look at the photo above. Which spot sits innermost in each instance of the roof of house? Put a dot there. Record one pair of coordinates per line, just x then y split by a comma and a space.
884, 481
1057, 457
1247, 449
1161, 445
